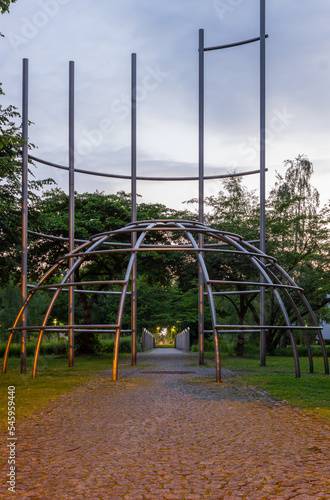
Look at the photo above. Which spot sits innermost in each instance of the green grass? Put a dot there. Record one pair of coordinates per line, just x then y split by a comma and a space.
311, 392
54, 379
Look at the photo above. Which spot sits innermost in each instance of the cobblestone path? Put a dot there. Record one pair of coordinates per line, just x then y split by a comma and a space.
166, 430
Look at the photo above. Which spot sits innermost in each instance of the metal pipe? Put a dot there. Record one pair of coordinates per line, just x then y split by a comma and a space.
235, 44
133, 209
143, 178
24, 254
262, 172
121, 307
201, 196
71, 209
258, 262
161, 248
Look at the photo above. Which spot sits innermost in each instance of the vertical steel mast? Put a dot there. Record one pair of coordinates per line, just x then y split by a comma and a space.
262, 173
71, 208
25, 125
201, 195
133, 209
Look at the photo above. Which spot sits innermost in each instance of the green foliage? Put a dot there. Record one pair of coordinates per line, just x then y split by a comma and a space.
224, 346
5, 5
298, 236
10, 304
57, 348
46, 349
125, 345
302, 351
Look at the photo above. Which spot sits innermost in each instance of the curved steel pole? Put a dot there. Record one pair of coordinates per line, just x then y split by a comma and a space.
314, 319
21, 312
133, 210
205, 277
68, 275
259, 263
24, 251
262, 173
201, 196
310, 311
122, 304
71, 210
299, 317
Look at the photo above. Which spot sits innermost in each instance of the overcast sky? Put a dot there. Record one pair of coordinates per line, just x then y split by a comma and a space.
100, 37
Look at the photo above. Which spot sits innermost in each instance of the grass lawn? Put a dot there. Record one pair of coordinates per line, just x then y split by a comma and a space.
54, 378
311, 392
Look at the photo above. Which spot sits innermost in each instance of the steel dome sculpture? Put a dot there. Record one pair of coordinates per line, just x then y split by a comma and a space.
197, 239
276, 282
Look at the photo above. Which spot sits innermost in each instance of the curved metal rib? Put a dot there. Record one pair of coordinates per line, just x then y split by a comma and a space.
54, 298
122, 303
211, 302
275, 292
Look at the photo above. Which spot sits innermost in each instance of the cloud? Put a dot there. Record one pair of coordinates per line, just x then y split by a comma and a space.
165, 37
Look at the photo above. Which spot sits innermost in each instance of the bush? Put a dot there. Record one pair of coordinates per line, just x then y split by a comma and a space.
53, 347
125, 345
302, 351
225, 347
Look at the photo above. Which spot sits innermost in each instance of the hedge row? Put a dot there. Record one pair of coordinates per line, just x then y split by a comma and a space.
250, 350
61, 347
46, 348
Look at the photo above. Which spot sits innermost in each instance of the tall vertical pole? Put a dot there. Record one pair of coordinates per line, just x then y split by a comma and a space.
201, 196
133, 214
262, 172
25, 125
71, 209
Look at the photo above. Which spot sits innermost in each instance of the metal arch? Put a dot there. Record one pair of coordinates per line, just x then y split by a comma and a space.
308, 307
54, 298
299, 317
24, 306
211, 301
312, 315
260, 260
141, 177
122, 303
263, 273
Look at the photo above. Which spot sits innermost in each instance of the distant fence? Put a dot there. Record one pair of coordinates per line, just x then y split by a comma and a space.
148, 340
182, 341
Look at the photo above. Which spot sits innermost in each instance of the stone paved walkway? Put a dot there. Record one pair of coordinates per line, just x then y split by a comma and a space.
167, 431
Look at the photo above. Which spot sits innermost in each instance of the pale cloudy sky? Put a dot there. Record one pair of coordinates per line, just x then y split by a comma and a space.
100, 37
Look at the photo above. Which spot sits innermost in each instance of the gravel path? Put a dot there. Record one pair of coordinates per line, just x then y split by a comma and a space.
167, 430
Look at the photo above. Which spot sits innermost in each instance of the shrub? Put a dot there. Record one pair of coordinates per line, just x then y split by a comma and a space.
302, 351
125, 345
53, 347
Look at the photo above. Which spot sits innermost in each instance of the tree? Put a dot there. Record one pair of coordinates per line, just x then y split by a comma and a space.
298, 231
298, 237
10, 185
97, 213
235, 210
5, 5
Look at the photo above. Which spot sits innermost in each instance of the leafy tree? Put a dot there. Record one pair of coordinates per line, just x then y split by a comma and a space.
10, 185
298, 230
5, 5
97, 213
